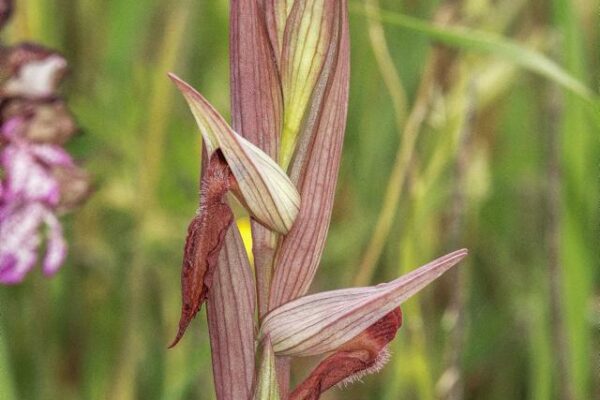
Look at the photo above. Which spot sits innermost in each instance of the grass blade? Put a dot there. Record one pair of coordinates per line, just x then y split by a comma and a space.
476, 40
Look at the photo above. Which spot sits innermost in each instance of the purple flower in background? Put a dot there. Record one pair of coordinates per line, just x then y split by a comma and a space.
29, 194
21, 237
38, 178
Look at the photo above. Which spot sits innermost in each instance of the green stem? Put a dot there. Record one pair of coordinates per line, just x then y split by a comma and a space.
578, 175
7, 388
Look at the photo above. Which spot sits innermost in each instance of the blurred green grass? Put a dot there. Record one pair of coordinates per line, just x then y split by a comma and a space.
477, 175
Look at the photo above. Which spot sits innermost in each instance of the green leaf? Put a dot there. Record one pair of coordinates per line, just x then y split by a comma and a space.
266, 385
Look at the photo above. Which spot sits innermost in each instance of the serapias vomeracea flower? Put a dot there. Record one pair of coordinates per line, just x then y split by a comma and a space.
39, 178
280, 158
365, 354
234, 165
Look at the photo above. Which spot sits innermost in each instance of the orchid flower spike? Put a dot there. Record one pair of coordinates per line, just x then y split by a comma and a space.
280, 158
234, 165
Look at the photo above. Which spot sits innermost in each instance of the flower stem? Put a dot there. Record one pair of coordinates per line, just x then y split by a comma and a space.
7, 390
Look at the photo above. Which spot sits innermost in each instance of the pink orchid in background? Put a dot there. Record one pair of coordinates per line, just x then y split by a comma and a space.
29, 195
280, 158
39, 178
20, 231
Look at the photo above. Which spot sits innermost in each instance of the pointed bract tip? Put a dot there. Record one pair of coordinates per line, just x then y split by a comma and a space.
180, 83
173, 76
435, 268
176, 340
183, 324
187, 90
459, 254
449, 260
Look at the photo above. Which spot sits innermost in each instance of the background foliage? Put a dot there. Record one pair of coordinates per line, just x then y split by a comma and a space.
480, 144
